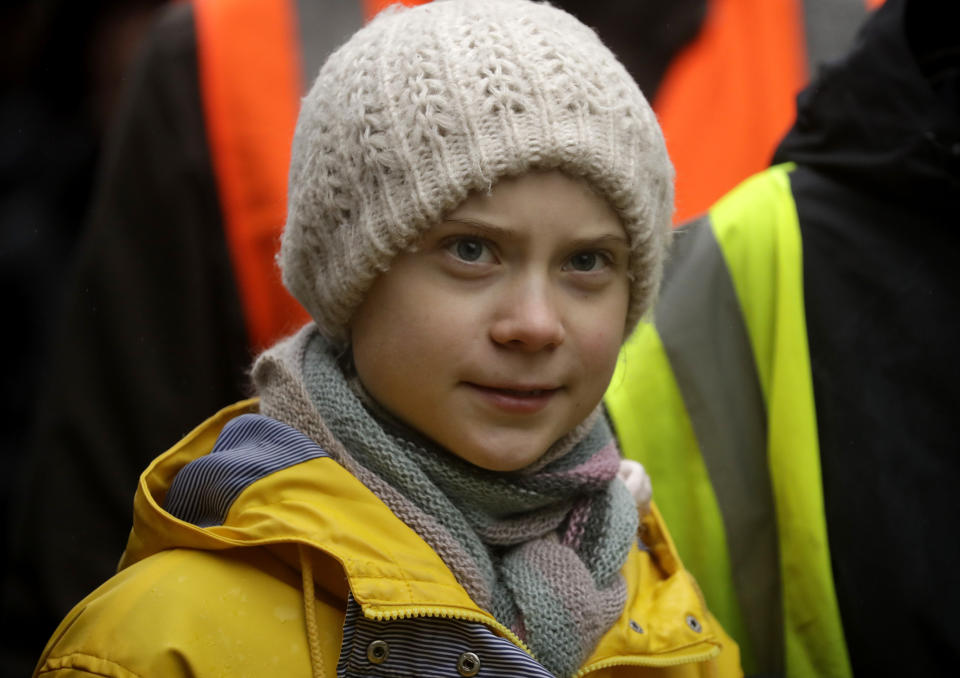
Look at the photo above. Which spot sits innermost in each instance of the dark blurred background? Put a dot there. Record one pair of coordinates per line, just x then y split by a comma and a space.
62, 67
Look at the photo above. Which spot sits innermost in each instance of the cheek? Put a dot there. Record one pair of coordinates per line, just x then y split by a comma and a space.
601, 349
600, 339
402, 334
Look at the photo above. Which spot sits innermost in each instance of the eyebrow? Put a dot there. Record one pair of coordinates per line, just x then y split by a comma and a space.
506, 233
482, 226
609, 239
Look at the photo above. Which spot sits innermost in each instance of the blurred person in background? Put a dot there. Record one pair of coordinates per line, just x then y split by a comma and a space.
191, 197
62, 66
805, 348
62, 69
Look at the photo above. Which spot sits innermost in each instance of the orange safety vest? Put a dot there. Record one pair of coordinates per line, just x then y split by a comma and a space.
728, 97
250, 83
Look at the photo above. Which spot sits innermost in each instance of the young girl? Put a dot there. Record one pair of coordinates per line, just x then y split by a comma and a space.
479, 204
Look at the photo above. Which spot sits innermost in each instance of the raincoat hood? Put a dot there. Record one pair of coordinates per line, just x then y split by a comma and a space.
885, 117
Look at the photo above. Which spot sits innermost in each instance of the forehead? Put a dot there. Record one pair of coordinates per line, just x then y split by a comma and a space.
551, 200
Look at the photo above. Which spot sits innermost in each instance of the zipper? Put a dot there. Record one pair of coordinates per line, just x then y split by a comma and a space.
464, 615
447, 613
651, 661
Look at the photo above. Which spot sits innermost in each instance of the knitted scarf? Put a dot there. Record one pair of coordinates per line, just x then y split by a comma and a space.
540, 548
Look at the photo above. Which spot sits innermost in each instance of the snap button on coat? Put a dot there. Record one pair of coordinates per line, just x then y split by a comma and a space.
468, 664
694, 624
378, 651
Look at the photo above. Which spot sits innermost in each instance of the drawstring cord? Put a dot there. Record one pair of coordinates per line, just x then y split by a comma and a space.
310, 613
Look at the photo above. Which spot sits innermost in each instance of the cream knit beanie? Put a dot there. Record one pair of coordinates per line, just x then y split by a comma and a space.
424, 105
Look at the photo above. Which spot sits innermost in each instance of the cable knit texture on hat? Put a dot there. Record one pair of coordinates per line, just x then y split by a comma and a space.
425, 105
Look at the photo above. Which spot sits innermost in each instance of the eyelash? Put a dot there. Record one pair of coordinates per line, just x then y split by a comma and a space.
450, 245
605, 258
453, 243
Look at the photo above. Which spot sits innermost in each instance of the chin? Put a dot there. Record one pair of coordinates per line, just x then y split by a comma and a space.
498, 465
502, 459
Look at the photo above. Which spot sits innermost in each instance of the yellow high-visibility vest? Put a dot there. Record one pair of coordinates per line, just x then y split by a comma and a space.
715, 398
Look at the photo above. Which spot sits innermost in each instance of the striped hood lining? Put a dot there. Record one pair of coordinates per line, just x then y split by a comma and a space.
248, 449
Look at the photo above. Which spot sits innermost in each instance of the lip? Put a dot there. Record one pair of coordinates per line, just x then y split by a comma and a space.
516, 399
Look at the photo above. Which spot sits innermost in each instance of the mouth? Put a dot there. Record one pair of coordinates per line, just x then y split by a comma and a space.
516, 399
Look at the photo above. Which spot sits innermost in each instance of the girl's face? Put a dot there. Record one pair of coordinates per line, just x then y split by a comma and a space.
500, 332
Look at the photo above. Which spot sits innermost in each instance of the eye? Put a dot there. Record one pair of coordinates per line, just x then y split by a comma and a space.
588, 261
471, 250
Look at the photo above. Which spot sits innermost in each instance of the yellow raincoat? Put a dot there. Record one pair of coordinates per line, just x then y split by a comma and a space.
266, 592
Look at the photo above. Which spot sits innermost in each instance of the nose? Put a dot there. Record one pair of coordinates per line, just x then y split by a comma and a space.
528, 317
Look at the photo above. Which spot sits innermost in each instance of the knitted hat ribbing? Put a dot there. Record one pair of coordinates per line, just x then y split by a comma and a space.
425, 105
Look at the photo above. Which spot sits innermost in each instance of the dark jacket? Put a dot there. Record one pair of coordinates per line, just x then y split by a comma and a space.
877, 191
